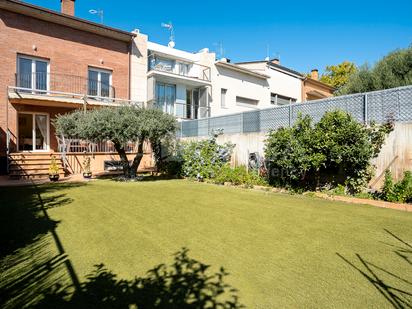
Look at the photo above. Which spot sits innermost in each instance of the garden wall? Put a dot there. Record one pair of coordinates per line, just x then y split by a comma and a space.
396, 154
75, 161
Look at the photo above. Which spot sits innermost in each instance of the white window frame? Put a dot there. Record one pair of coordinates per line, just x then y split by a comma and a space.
33, 70
276, 95
99, 85
223, 95
34, 132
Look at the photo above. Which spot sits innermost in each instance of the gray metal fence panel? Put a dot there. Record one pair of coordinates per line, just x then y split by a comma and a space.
352, 104
203, 127
189, 128
379, 106
274, 118
251, 121
229, 123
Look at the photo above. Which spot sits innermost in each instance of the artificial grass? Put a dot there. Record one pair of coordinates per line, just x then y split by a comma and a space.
280, 250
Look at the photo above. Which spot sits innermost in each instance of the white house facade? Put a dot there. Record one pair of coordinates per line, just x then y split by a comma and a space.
196, 85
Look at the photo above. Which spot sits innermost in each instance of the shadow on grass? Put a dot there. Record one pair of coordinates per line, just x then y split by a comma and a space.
37, 272
394, 287
184, 284
32, 257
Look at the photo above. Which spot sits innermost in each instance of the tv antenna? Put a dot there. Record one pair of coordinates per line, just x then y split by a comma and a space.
169, 26
99, 13
220, 50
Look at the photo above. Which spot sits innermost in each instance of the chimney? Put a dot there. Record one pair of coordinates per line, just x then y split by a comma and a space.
275, 61
314, 74
67, 7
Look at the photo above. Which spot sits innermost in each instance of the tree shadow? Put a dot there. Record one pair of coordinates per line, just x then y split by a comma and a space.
23, 216
32, 257
186, 283
393, 287
37, 272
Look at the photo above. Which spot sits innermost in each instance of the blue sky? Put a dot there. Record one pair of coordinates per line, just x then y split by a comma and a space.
306, 34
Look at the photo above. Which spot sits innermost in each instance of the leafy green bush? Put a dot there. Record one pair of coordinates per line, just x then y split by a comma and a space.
203, 159
238, 176
336, 150
397, 192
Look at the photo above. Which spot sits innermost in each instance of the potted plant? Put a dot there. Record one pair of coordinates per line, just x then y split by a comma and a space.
53, 170
87, 173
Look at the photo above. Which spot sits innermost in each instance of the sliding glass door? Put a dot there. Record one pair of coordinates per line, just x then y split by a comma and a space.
33, 132
165, 97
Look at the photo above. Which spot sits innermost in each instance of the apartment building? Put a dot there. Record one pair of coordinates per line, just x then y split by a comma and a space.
287, 85
196, 85
175, 81
53, 63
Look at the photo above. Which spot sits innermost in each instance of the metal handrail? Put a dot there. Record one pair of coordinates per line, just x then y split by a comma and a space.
70, 145
75, 95
178, 67
64, 83
187, 109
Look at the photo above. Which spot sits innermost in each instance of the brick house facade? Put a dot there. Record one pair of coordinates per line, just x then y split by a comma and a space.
60, 53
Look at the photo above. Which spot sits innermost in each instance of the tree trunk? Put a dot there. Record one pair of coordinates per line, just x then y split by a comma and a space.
123, 158
137, 159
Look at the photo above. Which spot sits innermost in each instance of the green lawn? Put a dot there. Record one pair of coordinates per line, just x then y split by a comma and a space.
280, 250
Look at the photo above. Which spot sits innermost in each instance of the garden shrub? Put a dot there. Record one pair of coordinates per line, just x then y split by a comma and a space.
238, 176
397, 192
203, 159
336, 150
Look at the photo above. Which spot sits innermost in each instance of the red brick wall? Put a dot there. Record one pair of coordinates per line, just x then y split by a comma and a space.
69, 51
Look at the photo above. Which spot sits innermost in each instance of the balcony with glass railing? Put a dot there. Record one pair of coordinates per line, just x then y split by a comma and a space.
176, 67
64, 86
182, 110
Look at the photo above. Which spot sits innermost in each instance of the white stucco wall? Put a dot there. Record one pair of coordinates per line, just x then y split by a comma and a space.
237, 84
138, 68
280, 82
284, 84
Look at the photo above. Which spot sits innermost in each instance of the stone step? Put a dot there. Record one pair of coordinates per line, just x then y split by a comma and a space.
32, 165
17, 168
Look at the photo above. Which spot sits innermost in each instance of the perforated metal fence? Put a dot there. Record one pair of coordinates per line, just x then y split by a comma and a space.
379, 106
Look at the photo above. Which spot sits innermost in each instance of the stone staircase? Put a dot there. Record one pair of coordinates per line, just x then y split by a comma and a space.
32, 165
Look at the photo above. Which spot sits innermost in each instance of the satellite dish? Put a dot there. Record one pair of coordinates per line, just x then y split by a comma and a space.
171, 44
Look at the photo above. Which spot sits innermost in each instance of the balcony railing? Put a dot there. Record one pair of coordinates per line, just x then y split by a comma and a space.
65, 85
83, 146
172, 66
182, 110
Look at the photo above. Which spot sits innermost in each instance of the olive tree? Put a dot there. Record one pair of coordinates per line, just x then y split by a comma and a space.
120, 125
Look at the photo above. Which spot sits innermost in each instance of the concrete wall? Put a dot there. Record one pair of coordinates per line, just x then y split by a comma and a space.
396, 153
237, 84
279, 82
283, 84
138, 68
75, 161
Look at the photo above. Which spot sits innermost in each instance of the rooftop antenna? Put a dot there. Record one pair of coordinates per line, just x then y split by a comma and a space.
169, 26
220, 50
267, 53
99, 13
